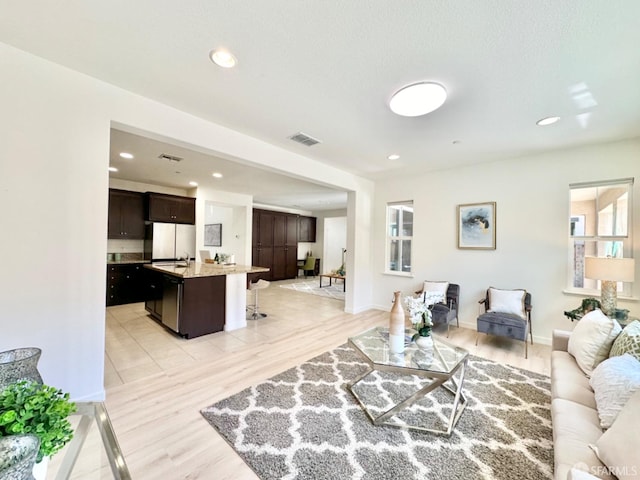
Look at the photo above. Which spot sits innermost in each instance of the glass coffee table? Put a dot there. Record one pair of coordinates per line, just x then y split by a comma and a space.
442, 367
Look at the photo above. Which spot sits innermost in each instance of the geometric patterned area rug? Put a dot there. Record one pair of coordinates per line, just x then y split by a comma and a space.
303, 424
313, 287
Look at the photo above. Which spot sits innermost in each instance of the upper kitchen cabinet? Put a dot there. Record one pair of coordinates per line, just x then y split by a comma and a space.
171, 208
306, 229
126, 215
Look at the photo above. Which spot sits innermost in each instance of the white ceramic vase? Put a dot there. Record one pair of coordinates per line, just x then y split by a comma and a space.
396, 325
424, 343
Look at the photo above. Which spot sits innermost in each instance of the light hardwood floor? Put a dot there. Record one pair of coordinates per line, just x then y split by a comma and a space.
157, 382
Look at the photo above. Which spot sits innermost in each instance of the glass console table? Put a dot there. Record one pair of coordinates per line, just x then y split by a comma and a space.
93, 452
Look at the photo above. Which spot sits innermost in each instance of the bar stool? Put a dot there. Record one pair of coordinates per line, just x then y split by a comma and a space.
255, 314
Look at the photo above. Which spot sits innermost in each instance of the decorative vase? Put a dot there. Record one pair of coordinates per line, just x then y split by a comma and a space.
424, 343
396, 325
19, 364
18, 455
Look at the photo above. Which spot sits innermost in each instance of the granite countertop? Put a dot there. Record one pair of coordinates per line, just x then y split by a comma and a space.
126, 262
197, 269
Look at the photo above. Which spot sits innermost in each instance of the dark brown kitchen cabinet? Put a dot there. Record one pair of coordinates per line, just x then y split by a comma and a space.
202, 307
275, 243
126, 283
153, 299
306, 229
170, 208
126, 215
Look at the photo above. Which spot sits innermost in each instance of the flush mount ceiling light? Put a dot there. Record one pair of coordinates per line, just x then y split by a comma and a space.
113, 169
223, 58
217, 175
418, 99
394, 156
193, 184
126, 155
547, 121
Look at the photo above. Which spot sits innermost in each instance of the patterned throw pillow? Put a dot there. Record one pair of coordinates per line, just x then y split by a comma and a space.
628, 341
614, 381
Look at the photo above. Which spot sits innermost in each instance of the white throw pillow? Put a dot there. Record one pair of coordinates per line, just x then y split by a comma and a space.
591, 339
618, 447
507, 301
614, 381
436, 287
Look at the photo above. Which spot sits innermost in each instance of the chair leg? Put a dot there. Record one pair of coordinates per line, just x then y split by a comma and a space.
477, 335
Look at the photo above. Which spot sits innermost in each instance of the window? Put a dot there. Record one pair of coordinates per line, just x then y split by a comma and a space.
600, 226
399, 236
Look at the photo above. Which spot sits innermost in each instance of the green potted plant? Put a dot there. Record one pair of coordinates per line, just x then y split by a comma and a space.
29, 407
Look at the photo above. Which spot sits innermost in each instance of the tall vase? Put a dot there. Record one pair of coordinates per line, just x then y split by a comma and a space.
396, 325
19, 364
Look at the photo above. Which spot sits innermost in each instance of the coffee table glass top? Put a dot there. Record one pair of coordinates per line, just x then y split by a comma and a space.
374, 344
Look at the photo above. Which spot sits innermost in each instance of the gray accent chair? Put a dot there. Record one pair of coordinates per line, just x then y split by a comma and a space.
506, 324
446, 312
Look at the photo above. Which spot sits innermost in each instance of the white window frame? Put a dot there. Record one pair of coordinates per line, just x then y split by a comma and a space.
576, 233
399, 238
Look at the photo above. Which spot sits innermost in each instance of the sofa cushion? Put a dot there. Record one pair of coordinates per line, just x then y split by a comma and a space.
507, 301
574, 428
628, 341
618, 447
613, 382
568, 381
591, 339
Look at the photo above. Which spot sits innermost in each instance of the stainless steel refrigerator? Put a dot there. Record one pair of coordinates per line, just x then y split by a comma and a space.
169, 241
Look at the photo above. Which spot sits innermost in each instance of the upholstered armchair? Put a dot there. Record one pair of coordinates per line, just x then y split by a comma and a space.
447, 311
507, 313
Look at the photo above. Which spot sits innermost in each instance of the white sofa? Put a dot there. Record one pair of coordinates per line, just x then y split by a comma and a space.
573, 411
577, 423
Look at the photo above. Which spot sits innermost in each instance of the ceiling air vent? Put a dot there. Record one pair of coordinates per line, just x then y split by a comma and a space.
304, 139
171, 158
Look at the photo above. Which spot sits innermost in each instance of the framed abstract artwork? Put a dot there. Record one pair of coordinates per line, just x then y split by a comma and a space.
477, 226
213, 235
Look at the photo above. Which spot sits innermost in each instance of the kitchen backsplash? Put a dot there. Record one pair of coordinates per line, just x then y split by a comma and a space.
125, 246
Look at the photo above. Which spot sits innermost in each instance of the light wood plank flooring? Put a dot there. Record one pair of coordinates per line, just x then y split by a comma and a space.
157, 382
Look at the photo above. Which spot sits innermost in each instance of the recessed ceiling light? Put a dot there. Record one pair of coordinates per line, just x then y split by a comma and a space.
394, 156
193, 184
223, 58
547, 121
126, 155
217, 175
418, 99
113, 169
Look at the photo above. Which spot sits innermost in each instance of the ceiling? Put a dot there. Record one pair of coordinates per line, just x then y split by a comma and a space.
328, 68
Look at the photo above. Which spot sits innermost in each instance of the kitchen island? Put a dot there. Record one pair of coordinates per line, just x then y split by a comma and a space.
198, 299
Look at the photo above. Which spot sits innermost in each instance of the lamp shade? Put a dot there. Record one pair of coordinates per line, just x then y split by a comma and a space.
613, 269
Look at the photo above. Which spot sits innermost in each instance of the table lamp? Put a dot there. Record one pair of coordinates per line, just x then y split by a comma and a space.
609, 271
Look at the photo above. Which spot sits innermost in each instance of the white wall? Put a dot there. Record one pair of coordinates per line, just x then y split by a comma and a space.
532, 219
234, 235
233, 210
335, 239
54, 147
